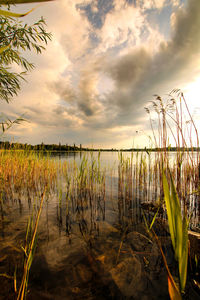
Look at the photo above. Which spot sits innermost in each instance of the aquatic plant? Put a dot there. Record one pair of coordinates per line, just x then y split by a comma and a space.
174, 120
178, 227
184, 174
29, 250
24, 173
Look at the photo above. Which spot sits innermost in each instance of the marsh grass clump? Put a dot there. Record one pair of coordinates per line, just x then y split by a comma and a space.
84, 193
180, 178
175, 122
173, 194
29, 250
80, 189
25, 174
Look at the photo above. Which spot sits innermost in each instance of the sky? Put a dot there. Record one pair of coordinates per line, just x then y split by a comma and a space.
106, 61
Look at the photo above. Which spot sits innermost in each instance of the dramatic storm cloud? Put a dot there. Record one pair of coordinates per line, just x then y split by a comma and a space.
106, 61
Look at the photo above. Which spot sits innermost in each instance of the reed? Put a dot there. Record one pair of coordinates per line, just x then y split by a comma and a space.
84, 191
29, 251
174, 120
178, 227
183, 174
25, 173
177, 191
23, 176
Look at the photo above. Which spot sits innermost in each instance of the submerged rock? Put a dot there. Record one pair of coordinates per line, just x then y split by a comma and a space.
138, 241
106, 229
84, 273
127, 276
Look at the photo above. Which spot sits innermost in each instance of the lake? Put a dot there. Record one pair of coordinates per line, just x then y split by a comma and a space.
92, 241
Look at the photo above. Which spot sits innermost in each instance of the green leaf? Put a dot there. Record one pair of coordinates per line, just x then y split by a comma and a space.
21, 1
196, 260
169, 209
177, 220
178, 228
154, 218
145, 221
184, 255
6, 13
4, 48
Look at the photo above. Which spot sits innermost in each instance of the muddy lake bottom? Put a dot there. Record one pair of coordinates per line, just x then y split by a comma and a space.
95, 261
103, 264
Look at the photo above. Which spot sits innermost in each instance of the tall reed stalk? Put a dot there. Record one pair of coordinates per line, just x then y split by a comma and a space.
183, 174
29, 253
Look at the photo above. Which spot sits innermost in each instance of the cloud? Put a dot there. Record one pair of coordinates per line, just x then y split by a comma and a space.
140, 73
65, 91
83, 96
136, 75
151, 4
129, 69
175, 2
68, 93
123, 24
70, 28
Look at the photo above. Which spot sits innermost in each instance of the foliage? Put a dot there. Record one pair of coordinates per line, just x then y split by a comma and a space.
21, 1
6, 13
7, 123
175, 120
43, 147
178, 228
16, 37
29, 250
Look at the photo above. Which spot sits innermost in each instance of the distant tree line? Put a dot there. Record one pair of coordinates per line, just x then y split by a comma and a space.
59, 147
39, 147
47, 147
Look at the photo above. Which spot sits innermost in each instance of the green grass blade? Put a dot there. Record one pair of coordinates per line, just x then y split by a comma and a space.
145, 222
184, 258
169, 210
177, 220
4, 48
21, 1
154, 218
178, 228
6, 13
